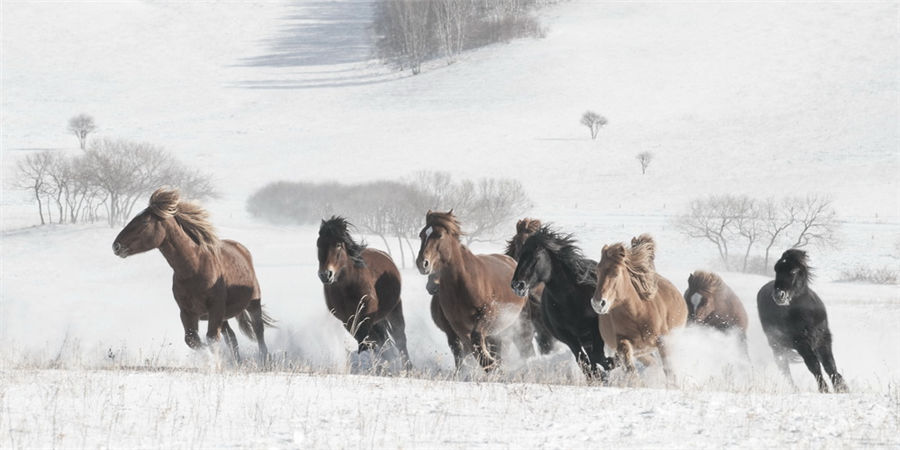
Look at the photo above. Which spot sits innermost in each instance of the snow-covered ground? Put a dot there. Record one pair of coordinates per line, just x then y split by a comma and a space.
747, 98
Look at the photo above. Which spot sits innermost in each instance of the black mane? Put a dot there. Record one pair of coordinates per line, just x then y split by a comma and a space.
795, 259
562, 247
335, 230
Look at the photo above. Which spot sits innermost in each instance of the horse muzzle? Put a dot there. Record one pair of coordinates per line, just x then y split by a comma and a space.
781, 298
425, 267
519, 288
600, 306
327, 276
120, 250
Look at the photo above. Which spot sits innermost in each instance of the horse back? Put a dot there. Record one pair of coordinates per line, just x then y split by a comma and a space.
385, 278
672, 301
732, 306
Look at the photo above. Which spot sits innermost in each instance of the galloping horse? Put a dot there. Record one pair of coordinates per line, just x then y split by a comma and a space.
525, 228
712, 303
551, 259
214, 279
637, 306
474, 305
362, 288
794, 317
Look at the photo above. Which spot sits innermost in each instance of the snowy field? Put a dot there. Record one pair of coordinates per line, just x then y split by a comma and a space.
750, 98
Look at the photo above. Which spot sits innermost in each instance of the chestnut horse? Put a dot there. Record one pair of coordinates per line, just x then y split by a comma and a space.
637, 306
474, 306
214, 279
712, 303
525, 228
362, 289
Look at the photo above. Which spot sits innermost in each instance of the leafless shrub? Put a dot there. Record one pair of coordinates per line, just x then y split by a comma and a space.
883, 275
594, 122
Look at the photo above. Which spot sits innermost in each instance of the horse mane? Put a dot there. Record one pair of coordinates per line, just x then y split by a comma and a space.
650, 245
445, 220
526, 225
563, 247
336, 229
705, 282
193, 219
638, 261
795, 259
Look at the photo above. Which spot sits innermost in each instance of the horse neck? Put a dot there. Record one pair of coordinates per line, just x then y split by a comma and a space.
181, 252
562, 280
461, 264
630, 298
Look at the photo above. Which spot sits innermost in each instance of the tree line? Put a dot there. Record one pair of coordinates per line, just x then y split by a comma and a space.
739, 223
395, 210
411, 32
105, 181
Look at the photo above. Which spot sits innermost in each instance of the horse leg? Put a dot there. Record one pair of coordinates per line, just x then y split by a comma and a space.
743, 342
782, 360
830, 368
191, 324
231, 340
625, 357
597, 351
258, 322
456, 347
481, 350
664, 356
397, 329
812, 363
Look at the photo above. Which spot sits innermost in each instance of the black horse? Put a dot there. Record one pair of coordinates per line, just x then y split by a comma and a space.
569, 280
793, 317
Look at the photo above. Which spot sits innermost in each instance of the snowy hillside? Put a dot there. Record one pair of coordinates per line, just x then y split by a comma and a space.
765, 99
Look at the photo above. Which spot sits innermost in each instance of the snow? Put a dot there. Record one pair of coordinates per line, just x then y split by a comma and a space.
765, 99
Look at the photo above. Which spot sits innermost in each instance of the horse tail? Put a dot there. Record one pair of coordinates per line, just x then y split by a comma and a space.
245, 322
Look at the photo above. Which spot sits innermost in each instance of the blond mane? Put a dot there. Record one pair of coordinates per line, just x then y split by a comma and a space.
445, 220
165, 203
638, 261
705, 282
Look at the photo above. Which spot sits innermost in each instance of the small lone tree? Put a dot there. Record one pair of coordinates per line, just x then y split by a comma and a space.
644, 158
81, 126
593, 121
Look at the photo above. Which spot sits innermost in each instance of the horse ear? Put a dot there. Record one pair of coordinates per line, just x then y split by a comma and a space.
605, 246
450, 212
429, 212
690, 278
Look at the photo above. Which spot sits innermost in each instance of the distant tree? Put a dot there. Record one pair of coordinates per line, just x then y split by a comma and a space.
33, 174
777, 217
406, 36
497, 202
81, 126
593, 121
748, 223
644, 158
816, 221
452, 19
711, 219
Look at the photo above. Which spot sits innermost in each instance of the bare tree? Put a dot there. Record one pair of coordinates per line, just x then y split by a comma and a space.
777, 217
33, 175
747, 223
451, 23
816, 222
498, 201
594, 122
81, 126
644, 158
405, 34
712, 219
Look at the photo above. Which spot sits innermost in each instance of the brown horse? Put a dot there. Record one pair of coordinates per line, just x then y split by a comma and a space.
637, 306
526, 228
474, 305
214, 279
712, 303
362, 289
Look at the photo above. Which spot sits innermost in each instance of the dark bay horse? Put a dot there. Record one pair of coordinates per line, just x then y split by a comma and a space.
551, 259
712, 303
474, 306
525, 228
793, 317
637, 306
362, 289
214, 279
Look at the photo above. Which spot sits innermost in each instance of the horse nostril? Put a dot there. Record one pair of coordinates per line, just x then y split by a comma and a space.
425, 263
116, 246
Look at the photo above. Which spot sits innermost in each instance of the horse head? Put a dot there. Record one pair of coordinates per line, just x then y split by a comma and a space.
147, 230
440, 234
792, 276
612, 277
336, 249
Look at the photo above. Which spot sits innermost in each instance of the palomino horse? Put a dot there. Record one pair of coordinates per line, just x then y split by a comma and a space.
214, 279
552, 260
637, 306
712, 303
794, 317
474, 304
362, 288
525, 228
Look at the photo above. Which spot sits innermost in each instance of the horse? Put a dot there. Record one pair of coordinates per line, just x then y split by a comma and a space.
525, 228
794, 317
637, 307
552, 260
473, 306
213, 280
712, 303
362, 288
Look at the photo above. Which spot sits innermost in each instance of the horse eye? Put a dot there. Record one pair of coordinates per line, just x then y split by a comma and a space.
339, 246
